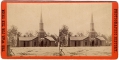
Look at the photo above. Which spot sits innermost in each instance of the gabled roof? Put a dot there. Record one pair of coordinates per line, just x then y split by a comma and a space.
50, 38
26, 38
101, 38
77, 38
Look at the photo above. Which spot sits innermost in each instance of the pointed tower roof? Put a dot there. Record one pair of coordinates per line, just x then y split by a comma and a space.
41, 16
92, 24
92, 33
42, 33
91, 18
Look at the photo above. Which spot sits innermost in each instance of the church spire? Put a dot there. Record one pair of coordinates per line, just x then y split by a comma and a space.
41, 16
91, 18
41, 22
92, 24
41, 26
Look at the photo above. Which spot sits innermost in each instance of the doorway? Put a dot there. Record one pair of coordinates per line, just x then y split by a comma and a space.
93, 43
24, 44
75, 43
85, 43
42, 43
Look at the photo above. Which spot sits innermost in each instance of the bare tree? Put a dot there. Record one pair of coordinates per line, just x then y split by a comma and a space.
87, 33
36, 33
48, 34
104, 37
109, 40
75, 35
98, 34
29, 34
70, 34
19, 33
80, 34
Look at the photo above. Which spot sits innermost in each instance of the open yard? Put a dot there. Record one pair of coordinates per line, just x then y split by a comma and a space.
69, 51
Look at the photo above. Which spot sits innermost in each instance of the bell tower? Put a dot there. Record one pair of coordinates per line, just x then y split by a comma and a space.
92, 33
41, 29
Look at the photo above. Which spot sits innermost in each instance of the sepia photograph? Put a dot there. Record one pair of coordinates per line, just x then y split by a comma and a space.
59, 29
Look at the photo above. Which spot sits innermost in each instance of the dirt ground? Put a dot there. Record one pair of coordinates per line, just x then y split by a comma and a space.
69, 51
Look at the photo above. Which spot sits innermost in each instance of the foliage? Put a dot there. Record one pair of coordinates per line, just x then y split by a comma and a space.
64, 35
104, 37
80, 34
70, 34
12, 35
63, 30
36, 33
48, 34
109, 40
29, 34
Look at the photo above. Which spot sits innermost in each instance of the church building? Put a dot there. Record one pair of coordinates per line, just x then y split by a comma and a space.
91, 40
42, 40
94, 39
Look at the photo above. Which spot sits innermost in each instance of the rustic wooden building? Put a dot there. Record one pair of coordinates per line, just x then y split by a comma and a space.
85, 41
28, 41
50, 41
77, 41
46, 42
97, 41
35, 42
101, 41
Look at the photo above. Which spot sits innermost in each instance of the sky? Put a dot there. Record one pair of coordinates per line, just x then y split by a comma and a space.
77, 16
